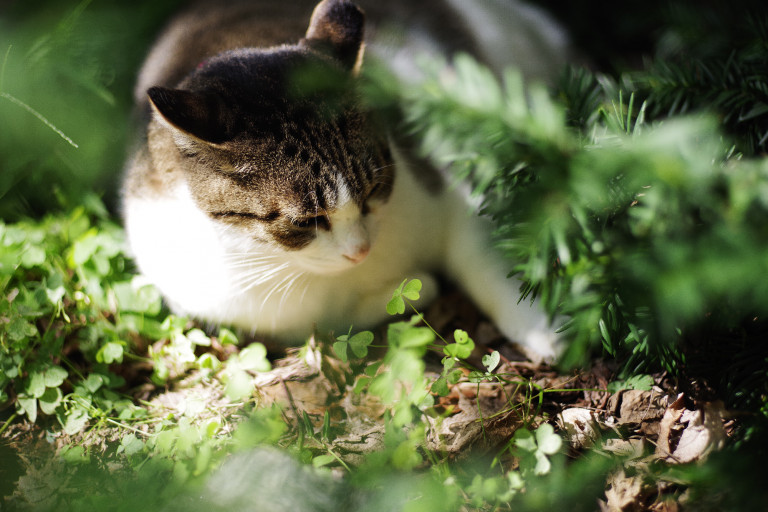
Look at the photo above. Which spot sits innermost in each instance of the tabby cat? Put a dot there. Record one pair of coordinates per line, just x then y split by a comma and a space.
259, 201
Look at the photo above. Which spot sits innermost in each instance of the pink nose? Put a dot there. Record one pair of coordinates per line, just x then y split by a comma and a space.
359, 254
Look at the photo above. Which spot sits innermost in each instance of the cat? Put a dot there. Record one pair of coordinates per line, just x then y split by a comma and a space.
256, 203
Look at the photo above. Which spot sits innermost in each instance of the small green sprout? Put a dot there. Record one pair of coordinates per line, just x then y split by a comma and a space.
408, 290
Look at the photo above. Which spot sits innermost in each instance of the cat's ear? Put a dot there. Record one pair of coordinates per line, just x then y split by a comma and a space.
336, 28
202, 116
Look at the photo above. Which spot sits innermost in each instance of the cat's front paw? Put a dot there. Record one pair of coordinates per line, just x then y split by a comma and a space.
542, 345
535, 336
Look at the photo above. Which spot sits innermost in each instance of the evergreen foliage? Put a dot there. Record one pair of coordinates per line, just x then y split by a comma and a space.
635, 230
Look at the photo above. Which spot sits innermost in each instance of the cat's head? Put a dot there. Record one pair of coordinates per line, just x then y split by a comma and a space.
276, 149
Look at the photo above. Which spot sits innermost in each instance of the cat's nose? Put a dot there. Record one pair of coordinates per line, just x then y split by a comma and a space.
358, 254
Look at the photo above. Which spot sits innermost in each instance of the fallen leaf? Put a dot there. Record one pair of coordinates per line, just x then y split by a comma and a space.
581, 427
633, 448
687, 436
622, 492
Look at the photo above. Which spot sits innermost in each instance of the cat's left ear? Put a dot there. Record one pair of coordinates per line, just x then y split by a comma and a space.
336, 28
199, 115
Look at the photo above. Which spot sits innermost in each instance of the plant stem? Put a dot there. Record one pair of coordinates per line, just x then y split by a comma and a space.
8, 422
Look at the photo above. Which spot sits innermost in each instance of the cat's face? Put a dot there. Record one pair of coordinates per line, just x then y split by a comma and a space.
277, 152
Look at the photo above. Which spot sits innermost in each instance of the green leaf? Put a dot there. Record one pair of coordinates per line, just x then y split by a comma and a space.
34, 385
208, 361
412, 289
32, 256
515, 480
361, 384
372, 368
457, 351
50, 400
75, 420
640, 382
359, 343
463, 347
546, 439
323, 460
211, 428
405, 457
461, 337
326, 430
383, 386
111, 352
227, 337
414, 337
440, 386
93, 382
340, 349
54, 376
239, 385
54, 289
198, 338
28, 406
491, 361
543, 465
73, 454
254, 358
19, 329
131, 444
396, 306
476, 376
133, 296
454, 376
525, 440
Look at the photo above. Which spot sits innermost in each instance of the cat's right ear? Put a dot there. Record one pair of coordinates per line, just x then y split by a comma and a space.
199, 115
336, 28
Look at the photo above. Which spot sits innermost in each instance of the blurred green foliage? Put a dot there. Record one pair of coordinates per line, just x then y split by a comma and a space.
67, 71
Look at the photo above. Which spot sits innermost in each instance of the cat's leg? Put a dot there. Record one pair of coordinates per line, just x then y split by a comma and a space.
482, 273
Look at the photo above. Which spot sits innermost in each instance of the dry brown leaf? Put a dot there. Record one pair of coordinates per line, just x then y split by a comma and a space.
633, 448
477, 421
297, 382
686, 436
623, 491
359, 441
581, 427
637, 406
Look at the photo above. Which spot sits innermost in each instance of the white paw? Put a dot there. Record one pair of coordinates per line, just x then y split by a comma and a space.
542, 345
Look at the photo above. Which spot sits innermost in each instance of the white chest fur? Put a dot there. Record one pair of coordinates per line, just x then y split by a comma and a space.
199, 267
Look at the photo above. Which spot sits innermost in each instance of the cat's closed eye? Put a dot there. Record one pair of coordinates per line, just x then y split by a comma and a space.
244, 215
317, 222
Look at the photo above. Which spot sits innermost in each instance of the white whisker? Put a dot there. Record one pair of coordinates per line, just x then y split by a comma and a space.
287, 290
275, 289
306, 288
260, 277
382, 167
249, 265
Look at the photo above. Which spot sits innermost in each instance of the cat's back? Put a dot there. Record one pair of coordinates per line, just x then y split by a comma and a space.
205, 29
497, 32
